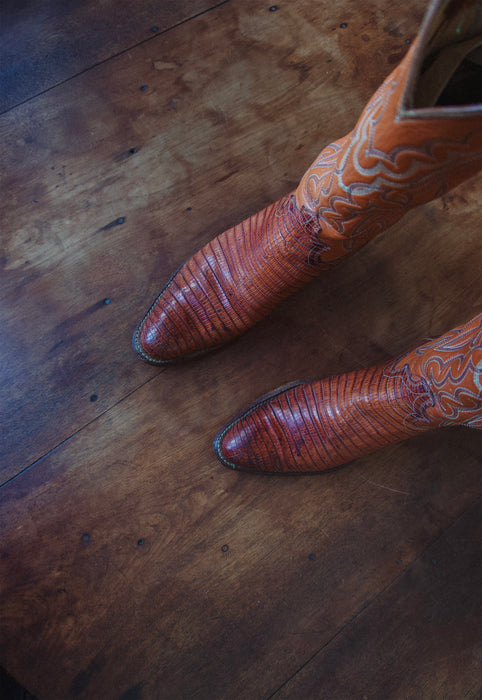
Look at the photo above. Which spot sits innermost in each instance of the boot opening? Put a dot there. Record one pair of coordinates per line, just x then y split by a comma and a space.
464, 87
451, 72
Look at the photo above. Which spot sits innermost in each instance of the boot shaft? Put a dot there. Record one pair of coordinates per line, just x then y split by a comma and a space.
402, 152
451, 367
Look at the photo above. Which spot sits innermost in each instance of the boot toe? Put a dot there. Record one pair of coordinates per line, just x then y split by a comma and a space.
255, 441
236, 448
164, 337
176, 325
151, 342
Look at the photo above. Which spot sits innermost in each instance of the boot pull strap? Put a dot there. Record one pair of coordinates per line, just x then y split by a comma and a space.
433, 81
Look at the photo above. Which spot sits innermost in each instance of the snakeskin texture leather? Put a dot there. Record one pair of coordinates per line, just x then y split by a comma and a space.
315, 426
231, 283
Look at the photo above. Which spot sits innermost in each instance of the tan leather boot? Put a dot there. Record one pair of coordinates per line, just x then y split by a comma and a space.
419, 136
311, 427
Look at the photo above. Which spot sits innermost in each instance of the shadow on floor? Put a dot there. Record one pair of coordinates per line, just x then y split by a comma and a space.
11, 690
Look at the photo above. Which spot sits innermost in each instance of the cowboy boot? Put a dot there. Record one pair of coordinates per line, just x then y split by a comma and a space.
311, 427
419, 136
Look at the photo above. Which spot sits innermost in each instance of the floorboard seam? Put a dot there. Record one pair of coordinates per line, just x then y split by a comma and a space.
371, 601
79, 430
115, 55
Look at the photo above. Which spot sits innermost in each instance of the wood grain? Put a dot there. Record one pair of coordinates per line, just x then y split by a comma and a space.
178, 615
429, 623
44, 44
132, 565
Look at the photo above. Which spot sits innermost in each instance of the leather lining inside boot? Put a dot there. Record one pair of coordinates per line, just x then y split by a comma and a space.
451, 72
465, 85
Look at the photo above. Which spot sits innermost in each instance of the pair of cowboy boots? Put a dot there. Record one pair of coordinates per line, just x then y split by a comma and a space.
419, 136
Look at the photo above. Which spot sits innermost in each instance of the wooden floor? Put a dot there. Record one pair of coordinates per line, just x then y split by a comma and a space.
132, 565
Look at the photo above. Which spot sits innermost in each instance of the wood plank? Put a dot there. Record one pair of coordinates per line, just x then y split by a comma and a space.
43, 44
131, 562
428, 631
216, 137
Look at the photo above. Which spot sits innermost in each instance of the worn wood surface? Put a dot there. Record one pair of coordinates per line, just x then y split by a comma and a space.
44, 43
428, 625
132, 565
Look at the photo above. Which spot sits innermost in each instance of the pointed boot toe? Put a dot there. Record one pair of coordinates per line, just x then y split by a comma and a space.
154, 342
232, 447
270, 435
177, 326
171, 330
231, 284
147, 341
156, 338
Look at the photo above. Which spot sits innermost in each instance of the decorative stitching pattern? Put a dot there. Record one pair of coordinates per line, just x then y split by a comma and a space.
452, 366
416, 394
364, 183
